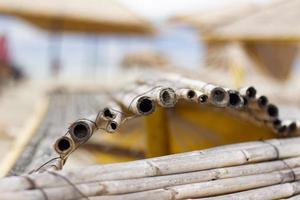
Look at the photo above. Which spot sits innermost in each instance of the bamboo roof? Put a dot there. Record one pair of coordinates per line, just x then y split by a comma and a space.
276, 22
87, 16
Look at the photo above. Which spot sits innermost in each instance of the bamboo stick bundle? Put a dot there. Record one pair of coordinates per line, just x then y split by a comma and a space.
151, 183
186, 93
165, 96
279, 191
213, 188
214, 158
216, 95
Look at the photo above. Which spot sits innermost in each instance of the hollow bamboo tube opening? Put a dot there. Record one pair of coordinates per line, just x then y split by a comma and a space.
112, 126
81, 130
262, 101
63, 145
145, 105
251, 92
219, 96
202, 98
235, 100
272, 110
191, 94
167, 97
108, 114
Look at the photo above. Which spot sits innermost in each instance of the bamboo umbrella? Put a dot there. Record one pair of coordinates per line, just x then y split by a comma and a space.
268, 35
87, 16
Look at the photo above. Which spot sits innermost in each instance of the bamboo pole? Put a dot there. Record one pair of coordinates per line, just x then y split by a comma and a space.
266, 193
296, 197
213, 188
217, 95
188, 162
135, 103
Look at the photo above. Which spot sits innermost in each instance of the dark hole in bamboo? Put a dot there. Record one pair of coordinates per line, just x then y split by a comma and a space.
81, 131
203, 98
191, 94
107, 113
272, 110
166, 97
146, 105
234, 98
251, 92
218, 95
262, 101
113, 125
63, 144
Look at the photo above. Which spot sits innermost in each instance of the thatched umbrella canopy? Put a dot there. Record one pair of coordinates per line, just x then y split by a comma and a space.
268, 34
206, 20
276, 22
87, 16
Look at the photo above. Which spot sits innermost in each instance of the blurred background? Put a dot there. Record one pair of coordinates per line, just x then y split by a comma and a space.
88, 44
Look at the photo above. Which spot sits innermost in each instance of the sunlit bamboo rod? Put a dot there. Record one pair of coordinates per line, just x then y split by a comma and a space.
212, 188
151, 183
195, 161
279, 191
165, 96
135, 103
296, 197
217, 95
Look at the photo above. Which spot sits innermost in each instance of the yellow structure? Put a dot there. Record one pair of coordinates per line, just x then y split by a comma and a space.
187, 127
